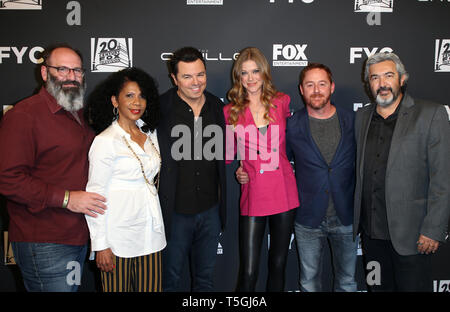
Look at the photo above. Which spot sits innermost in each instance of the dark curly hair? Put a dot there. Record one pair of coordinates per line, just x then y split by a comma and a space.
99, 108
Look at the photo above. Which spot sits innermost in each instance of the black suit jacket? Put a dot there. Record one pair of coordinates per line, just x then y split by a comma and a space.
168, 175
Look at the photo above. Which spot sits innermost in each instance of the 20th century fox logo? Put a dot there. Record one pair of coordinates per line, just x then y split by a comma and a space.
442, 56
20, 5
374, 6
111, 54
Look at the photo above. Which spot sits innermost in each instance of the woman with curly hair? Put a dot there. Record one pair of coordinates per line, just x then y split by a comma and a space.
257, 116
124, 164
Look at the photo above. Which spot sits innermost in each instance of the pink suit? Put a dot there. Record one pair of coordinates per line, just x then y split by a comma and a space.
272, 188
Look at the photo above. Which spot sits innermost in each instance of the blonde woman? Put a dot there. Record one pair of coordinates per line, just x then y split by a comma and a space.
258, 113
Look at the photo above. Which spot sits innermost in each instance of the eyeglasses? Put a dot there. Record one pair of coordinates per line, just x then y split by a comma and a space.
63, 70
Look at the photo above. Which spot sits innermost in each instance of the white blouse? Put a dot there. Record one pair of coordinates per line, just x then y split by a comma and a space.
132, 224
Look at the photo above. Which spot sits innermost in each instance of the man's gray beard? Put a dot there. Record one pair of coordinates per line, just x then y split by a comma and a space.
70, 99
385, 102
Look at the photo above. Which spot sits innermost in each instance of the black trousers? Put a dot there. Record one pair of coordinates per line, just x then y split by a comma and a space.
251, 235
398, 273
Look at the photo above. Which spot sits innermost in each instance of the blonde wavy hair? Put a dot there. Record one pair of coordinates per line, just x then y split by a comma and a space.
238, 94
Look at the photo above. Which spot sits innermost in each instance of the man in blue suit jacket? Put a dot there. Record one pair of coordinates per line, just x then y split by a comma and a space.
320, 137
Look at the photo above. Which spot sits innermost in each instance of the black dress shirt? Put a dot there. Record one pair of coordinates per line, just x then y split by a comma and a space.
378, 143
197, 183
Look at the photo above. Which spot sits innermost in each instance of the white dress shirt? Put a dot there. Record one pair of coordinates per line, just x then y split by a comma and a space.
132, 225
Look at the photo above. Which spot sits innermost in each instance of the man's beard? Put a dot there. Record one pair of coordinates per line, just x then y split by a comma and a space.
71, 99
388, 101
321, 104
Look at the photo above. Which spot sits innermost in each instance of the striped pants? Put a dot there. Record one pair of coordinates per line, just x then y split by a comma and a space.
139, 274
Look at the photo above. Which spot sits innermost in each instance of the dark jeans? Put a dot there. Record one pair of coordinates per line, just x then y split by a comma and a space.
195, 236
398, 273
50, 267
251, 234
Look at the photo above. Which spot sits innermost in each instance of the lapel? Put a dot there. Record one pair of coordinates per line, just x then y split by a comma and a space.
165, 139
170, 117
366, 117
342, 126
403, 121
307, 129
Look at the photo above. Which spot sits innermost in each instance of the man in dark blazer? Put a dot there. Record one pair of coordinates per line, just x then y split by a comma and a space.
402, 196
192, 187
320, 137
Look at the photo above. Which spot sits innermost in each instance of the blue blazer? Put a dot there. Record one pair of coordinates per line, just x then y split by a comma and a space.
316, 180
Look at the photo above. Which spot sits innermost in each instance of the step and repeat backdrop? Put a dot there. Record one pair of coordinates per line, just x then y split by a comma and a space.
116, 34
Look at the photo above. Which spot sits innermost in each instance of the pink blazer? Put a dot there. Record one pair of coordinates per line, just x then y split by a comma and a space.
272, 188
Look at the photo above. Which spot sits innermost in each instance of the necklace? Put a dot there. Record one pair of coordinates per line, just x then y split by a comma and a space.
147, 182
257, 113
